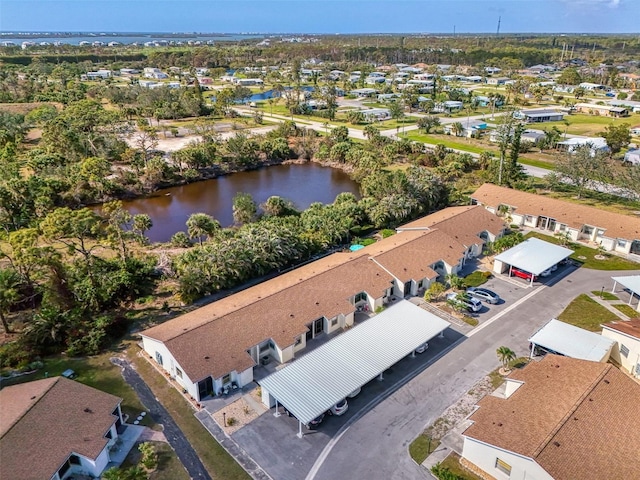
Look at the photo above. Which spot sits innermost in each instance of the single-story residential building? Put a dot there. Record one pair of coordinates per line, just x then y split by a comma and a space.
549, 421
540, 115
364, 92
568, 340
533, 137
632, 156
55, 428
247, 82
597, 144
497, 80
217, 346
614, 231
311, 385
532, 256
374, 80
99, 74
449, 106
156, 73
594, 86
604, 110
376, 114
470, 128
626, 334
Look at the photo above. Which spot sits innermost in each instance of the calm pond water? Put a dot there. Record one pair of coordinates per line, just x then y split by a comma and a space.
302, 184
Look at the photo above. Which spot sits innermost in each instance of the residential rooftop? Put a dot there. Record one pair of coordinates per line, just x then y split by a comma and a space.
575, 418
616, 225
44, 421
628, 327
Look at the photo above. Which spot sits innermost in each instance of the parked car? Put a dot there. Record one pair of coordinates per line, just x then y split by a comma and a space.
471, 303
422, 348
315, 423
354, 393
516, 272
546, 273
339, 408
485, 294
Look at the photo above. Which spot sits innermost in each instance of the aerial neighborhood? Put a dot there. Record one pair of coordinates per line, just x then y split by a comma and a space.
314, 257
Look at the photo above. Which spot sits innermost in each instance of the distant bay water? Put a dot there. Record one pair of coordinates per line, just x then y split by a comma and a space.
125, 39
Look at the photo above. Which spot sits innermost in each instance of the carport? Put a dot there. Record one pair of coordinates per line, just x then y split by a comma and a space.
631, 283
533, 256
565, 339
313, 383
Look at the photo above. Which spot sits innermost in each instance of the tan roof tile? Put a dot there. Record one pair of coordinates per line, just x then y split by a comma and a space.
629, 327
39, 434
615, 225
577, 419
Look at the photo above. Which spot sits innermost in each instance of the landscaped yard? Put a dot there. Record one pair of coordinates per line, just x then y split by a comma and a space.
446, 140
627, 310
422, 447
452, 462
169, 466
589, 125
605, 295
586, 255
586, 313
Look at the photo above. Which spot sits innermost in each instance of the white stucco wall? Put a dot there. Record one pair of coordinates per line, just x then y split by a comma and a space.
629, 362
245, 377
484, 456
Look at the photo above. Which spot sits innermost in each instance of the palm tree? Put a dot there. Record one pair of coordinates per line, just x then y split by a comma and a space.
200, 225
454, 281
505, 355
457, 128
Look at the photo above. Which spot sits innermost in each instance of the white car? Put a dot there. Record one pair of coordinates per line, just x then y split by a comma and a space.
339, 408
354, 393
471, 303
546, 273
422, 348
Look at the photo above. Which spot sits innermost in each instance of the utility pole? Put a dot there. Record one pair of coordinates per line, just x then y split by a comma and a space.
498, 31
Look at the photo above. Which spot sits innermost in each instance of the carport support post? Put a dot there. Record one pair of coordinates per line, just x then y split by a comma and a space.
277, 414
299, 434
441, 334
380, 377
413, 354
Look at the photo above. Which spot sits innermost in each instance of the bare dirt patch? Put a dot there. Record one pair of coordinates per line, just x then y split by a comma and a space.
237, 415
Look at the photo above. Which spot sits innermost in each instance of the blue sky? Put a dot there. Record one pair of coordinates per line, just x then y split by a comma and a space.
321, 16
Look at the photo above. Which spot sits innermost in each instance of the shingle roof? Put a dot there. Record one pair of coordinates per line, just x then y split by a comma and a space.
214, 340
615, 225
628, 327
43, 422
462, 223
575, 418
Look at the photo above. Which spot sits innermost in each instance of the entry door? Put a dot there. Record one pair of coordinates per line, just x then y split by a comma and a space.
205, 387
551, 225
309, 334
317, 327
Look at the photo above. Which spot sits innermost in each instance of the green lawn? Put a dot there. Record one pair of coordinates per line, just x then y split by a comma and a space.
97, 372
169, 465
452, 462
444, 140
477, 278
586, 313
215, 458
422, 447
627, 310
536, 163
605, 295
586, 255
582, 124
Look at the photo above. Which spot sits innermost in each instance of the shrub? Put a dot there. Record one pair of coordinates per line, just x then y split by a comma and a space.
367, 241
231, 421
443, 473
434, 292
387, 232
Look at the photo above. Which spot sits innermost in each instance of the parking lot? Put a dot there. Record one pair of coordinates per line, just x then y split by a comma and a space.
272, 442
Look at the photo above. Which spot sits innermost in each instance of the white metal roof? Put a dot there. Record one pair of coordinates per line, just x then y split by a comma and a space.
312, 384
632, 282
572, 341
534, 255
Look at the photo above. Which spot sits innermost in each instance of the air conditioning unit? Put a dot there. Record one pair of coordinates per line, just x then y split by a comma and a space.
265, 360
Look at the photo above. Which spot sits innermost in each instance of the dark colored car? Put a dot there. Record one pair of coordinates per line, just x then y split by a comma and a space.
315, 423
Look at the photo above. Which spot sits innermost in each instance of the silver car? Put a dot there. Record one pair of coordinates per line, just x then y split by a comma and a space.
485, 294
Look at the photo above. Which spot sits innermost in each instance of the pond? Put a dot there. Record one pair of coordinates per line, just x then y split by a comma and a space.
303, 184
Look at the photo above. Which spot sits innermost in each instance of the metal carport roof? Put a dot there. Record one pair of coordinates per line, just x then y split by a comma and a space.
571, 341
632, 282
534, 255
313, 383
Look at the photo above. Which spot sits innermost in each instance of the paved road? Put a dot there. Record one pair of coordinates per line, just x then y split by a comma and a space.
376, 446
176, 438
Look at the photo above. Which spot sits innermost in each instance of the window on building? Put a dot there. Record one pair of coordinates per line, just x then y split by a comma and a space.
562, 227
334, 321
75, 459
600, 233
265, 347
503, 466
178, 372
528, 218
622, 243
587, 230
360, 297
298, 341
226, 379
159, 358
624, 350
